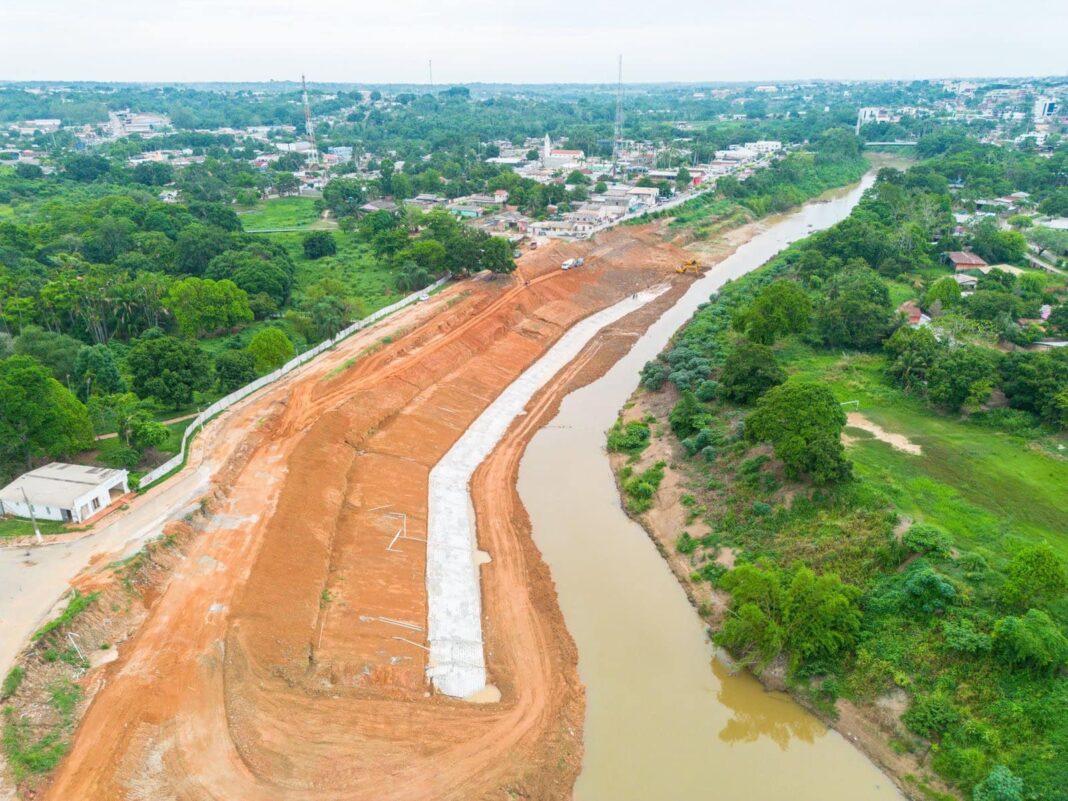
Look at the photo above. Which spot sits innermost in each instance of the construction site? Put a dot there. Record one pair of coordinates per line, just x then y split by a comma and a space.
310, 643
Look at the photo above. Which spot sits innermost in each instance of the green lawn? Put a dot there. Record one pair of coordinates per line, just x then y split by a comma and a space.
283, 212
11, 527
366, 278
983, 485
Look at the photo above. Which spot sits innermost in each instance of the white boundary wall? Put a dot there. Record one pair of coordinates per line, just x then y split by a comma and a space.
457, 664
240, 394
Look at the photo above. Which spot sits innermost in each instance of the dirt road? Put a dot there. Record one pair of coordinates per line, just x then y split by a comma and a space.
286, 659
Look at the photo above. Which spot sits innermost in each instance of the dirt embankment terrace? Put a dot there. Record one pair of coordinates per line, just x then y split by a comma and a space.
285, 656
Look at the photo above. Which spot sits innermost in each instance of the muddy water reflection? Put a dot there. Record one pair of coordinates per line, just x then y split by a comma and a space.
665, 720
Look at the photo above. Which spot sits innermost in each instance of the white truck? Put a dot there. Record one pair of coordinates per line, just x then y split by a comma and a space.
567, 265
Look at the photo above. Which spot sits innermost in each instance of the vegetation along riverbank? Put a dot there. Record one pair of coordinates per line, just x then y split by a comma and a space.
858, 474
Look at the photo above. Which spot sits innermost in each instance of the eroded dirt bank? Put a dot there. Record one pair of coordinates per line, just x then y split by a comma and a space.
286, 658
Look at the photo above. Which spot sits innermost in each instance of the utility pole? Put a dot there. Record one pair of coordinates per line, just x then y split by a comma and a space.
33, 517
617, 138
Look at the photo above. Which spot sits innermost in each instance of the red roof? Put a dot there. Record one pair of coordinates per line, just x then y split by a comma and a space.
965, 260
911, 310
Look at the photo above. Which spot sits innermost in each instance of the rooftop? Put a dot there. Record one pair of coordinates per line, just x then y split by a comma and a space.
58, 484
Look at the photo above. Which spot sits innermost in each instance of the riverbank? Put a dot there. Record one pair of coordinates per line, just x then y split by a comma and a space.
657, 716
298, 593
674, 514
322, 456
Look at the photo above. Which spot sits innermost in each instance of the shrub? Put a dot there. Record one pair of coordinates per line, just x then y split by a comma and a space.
630, 438
1035, 576
121, 458
318, 244
686, 544
926, 539
931, 716
962, 636
689, 415
999, 785
641, 487
654, 374
1033, 641
707, 391
926, 591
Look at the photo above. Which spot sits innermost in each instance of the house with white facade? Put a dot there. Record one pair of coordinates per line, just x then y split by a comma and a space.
68, 493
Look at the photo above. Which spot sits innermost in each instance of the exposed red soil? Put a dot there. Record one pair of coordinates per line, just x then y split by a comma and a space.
273, 666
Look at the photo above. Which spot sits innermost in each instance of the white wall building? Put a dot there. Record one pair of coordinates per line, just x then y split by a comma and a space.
69, 493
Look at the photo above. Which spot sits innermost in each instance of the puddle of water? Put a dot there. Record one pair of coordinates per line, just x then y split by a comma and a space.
664, 719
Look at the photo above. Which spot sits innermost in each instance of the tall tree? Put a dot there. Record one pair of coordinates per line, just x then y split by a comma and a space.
38, 415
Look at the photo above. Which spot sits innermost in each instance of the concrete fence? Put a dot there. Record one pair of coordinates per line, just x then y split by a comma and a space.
240, 394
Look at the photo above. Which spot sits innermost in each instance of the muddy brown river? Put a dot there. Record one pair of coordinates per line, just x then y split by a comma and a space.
665, 719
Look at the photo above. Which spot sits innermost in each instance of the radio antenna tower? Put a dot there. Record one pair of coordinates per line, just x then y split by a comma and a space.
309, 128
617, 138
430, 66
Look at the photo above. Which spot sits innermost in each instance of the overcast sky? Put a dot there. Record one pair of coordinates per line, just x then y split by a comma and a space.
574, 41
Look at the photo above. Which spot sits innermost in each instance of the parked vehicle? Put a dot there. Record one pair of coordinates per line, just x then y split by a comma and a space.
567, 265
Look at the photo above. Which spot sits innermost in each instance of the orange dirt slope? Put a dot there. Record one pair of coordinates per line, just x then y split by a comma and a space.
286, 659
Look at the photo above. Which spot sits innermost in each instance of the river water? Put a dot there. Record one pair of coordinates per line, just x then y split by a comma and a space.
665, 719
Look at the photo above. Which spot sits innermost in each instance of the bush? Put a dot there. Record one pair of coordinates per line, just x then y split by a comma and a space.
686, 544
630, 438
1035, 577
235, 368
319, 244
931, 716
654, 374
641, 488
121, 458
689, 415
927, 591
962, 636
1033, 641
707, 391
999, 785
922, 538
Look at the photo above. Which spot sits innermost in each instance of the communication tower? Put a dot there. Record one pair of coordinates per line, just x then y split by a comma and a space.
617, 138
309, 127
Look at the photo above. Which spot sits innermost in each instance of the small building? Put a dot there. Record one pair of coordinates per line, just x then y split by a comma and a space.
967, 283
69, 493
964, 260
913, 314
372, 206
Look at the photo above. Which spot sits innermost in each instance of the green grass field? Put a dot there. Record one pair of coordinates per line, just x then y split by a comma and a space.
283, 212
985, 486
11, 527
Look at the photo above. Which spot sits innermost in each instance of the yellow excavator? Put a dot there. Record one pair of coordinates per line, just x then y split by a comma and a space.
689, 266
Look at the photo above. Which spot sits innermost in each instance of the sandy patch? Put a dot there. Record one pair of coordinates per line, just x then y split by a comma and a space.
896, 441
726, 557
